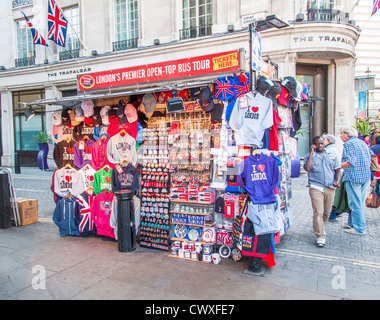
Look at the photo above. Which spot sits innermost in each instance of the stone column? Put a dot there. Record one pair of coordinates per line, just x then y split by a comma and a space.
7, 125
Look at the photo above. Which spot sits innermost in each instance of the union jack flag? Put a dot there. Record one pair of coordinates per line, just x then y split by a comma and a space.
224, 90
247, 240
57, 24
241, 84
376, 6
37, 38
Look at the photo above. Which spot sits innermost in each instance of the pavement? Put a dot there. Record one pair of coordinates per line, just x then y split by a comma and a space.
37, 264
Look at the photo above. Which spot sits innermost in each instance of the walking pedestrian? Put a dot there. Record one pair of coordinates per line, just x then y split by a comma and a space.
329, 141
356, 162
375, 175
323, 174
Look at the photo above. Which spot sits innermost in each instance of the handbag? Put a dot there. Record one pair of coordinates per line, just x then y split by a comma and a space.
375, 166
372, 200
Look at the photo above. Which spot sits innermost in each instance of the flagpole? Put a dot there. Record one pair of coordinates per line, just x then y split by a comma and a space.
80, 40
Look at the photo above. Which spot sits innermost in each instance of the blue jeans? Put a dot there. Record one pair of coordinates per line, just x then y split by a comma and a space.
356, 197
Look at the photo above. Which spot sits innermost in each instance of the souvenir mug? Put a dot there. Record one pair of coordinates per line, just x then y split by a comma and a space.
181, 253
176, 244
187, 254
206, 258
194, 255
198, 247
174, 251
216, 258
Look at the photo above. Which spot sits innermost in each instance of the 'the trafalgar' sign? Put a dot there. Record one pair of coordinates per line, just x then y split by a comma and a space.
177, 69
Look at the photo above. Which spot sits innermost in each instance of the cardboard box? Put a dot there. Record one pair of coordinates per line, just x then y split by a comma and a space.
28, 210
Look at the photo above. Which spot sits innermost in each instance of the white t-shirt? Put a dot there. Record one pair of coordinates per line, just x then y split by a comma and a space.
249, 122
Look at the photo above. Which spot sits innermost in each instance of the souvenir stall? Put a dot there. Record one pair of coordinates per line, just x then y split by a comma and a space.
206, 164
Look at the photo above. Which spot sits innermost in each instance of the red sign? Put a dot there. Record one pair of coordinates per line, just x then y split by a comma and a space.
177, 69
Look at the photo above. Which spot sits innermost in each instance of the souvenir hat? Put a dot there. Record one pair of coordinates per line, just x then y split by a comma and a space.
88, 108
305, 92
291, 84
96, 117
130, 113
65, 115
147, 114
120, 114
112, 117
57, 118
299, 91
275, 90
205, 100
79, 114
74, 121
263, 85
149, 102
104, 115
284, 96
219, 205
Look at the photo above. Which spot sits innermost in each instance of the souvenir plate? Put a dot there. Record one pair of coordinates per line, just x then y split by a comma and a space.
194, 234
208, 235
225, 252
236, 254
180, 231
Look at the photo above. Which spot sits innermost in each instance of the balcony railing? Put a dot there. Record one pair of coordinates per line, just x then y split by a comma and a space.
70, 54
327, 15
124, 45
195, 32
25, 62
16, 3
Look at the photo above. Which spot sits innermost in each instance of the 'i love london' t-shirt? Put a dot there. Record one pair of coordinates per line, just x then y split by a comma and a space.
63, 153
102, 180
251, 115
259, 176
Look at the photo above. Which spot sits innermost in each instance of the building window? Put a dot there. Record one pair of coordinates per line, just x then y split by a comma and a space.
126, 24
321, 4
197, 18
17, 3
25, 130
72, 47
25, 46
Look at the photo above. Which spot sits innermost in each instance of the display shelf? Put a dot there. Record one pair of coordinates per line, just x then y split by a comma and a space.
191, 213
182, 240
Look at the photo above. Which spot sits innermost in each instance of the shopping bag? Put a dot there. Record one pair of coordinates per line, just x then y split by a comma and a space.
372, 200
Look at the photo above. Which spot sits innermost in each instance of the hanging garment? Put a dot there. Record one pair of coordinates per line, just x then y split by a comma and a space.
61, 132
101, 214
100, 131
99, 154
125, 177
130, 128
85, 202
82, 153
122, 147
88, 176
65, 219
102, 180
251, 115
259, 176
266, 218
63, 153
83, 130
68, 181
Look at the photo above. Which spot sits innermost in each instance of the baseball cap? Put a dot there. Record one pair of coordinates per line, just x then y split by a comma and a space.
130, 113
79, 114
65, 115
275, 90
284, 96
88, 108
263, 85
96, 117
149, 102
112, 117
104, 115
57, 118
73, 118
120, 114
291, 84
205, 100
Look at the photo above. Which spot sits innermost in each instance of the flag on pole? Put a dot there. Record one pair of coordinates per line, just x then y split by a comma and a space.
376, 6
37, 38
57, 24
